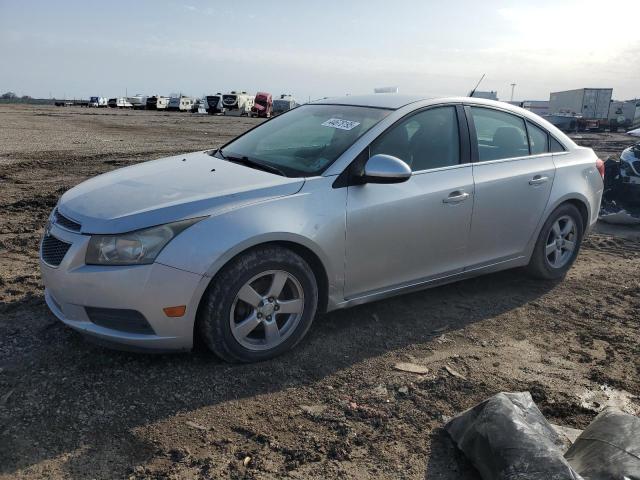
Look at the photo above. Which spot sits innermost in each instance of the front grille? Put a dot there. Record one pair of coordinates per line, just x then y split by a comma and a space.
130, 321
65, 222
53, 250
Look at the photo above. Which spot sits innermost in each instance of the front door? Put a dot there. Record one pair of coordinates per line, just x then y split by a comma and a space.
402, 233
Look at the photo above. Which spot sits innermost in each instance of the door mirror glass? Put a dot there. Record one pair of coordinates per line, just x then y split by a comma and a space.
383, 168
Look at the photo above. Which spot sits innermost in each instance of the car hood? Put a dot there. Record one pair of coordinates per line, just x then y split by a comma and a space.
167, 190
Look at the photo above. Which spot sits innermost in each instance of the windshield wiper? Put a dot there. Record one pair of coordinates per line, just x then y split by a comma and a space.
244, 160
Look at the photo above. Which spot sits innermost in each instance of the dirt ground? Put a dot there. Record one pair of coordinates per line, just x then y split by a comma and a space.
333, 408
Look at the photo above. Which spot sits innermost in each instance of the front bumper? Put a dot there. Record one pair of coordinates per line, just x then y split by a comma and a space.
71, 286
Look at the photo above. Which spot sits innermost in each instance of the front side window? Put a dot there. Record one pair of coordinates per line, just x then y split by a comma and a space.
538, 139
307, 139
426, 140
499, 134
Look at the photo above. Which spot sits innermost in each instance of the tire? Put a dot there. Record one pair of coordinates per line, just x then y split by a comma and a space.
223, 313
547, 264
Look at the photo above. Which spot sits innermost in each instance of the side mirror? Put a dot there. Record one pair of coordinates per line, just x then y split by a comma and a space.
383, 168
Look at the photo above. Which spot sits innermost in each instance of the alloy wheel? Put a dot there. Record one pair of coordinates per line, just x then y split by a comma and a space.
561, 242
267, 309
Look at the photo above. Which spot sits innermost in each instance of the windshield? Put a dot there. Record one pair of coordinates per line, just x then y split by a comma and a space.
306, 140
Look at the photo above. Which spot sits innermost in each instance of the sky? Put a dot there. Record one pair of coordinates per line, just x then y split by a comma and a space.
313, 49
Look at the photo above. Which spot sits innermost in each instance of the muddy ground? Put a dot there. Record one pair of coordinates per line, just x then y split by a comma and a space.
333, 408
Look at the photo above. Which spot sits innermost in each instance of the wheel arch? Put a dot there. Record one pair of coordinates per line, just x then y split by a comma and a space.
307, 253
578, 201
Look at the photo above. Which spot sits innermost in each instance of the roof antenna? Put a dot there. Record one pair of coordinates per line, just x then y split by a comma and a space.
477, 85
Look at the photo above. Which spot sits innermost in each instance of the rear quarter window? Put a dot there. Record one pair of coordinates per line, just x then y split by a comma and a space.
538, 139
555, 146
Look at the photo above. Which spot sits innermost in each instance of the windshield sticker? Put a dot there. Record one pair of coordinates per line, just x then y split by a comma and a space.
341, 124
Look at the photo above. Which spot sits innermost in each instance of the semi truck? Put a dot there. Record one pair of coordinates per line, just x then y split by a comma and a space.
263, 105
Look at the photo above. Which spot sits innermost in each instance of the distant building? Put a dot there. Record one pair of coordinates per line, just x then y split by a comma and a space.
590, 103
539, 107
488, 95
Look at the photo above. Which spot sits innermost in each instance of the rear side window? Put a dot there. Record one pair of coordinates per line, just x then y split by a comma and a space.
538, 139
426, 140
555, 146
499, 134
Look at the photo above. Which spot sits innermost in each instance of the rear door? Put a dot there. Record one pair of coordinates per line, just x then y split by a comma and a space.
513, 173
412, 231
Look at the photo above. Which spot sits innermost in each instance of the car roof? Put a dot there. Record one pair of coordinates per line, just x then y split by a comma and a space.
392, 101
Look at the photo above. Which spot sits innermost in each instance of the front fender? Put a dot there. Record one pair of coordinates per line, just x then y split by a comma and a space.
313, 218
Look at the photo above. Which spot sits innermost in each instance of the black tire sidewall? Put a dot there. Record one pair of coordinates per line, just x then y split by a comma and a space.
214, 316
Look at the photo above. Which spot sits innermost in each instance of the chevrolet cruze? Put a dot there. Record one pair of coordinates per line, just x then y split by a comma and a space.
335, 203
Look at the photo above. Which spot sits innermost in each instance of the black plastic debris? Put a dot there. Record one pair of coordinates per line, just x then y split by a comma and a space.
609, 448
621, 196
507, 438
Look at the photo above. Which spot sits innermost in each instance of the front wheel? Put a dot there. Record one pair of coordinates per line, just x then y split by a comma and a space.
259, 306
558, 243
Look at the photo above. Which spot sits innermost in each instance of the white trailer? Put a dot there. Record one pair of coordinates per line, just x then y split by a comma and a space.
283, 104
589, 103
98, 102
214, 104
123, 103
138, 102
180, 104
162, 103
624, 113
237, 103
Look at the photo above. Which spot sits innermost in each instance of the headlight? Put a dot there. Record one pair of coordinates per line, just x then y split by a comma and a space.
135, 248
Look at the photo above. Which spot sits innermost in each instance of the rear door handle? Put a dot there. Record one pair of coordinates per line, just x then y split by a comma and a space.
538, 180
456, 197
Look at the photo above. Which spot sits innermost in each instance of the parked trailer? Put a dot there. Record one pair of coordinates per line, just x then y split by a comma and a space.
237, 103
199, 106
214, 104
138, 102
157, 102
98, 102
592, 104
180, 104
263, 105
623, 113
283, 104
123, 103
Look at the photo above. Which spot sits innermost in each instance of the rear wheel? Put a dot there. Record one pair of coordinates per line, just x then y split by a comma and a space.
259, 306
558, 243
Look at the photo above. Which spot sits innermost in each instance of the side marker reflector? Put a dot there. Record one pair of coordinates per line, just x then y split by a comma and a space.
177, 311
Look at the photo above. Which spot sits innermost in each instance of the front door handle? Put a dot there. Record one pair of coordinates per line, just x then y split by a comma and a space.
456, 197
538, 180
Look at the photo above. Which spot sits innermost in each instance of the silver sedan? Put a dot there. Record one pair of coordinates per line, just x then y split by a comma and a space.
335, 203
